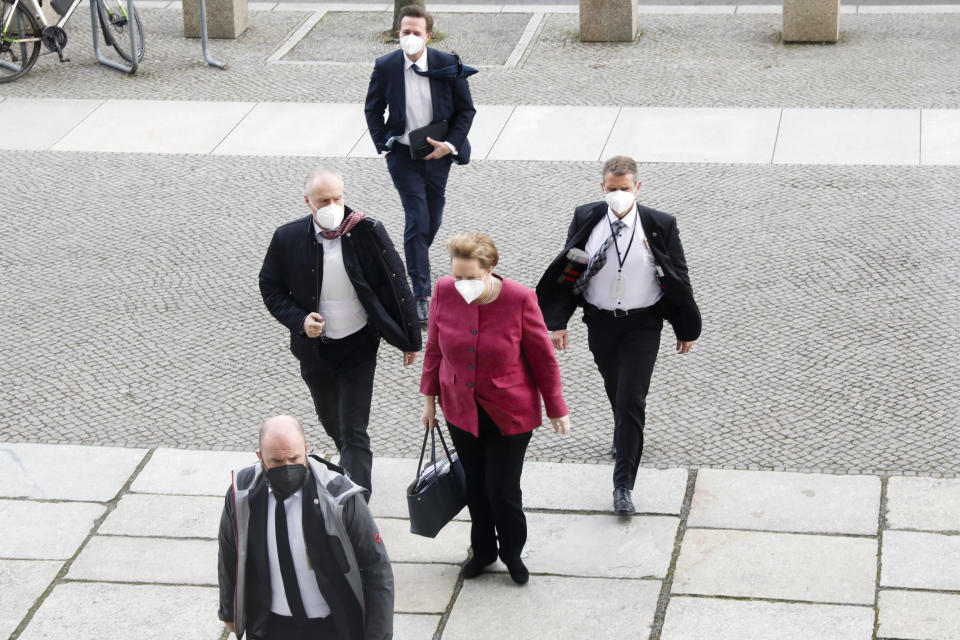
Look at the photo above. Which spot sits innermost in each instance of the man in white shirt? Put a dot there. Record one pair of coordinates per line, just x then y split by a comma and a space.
300, 556
410, 85
635, 278
334, 279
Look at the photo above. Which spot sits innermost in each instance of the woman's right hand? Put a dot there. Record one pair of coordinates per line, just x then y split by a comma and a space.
429, 417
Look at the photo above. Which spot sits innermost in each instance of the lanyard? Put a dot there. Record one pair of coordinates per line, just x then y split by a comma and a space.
622, 259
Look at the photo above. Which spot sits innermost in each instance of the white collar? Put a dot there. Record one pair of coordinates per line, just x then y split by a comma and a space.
421, 61
627, 219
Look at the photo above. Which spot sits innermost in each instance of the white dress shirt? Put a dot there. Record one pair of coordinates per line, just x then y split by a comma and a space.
640, 286
339, 305
419, 99
313, 602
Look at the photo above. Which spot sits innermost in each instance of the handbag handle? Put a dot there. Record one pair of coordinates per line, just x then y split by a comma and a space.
433, 447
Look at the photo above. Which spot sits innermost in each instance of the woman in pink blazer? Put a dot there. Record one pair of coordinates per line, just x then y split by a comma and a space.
489, 360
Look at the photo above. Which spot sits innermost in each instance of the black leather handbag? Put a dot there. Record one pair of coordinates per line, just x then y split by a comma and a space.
439, 491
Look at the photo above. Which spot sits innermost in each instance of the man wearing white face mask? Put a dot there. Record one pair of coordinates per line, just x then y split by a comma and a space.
421, 87
636, 277
334, 279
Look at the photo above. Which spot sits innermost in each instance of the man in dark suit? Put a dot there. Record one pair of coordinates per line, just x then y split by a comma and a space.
635, 277
334, 279
300, 556
403, 82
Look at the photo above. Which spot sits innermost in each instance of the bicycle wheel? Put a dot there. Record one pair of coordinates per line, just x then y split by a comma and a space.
19, 40
115, 25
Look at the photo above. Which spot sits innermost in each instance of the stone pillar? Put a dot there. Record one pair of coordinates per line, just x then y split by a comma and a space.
225, 18
811, 20
608, 20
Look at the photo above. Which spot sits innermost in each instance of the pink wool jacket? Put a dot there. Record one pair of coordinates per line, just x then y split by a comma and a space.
498, 355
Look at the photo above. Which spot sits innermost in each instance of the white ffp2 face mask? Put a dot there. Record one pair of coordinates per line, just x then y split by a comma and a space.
411, 44
470, 289
620, 201
330, 216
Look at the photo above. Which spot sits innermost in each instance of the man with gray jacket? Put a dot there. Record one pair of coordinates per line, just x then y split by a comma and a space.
300, 555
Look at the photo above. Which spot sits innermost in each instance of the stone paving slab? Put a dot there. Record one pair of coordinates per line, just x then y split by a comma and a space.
154, 126
589, 487
148, 560
296, 129
927, 504
423, 588
88, 611
848, 136
21, 583
449, 547
57, 472
921, 560
195, 473
786, 502
165, 516
697, 618
45, 530
37, 124
779, 566
414, 627
532, 133
557, 603
636, 547
940, 137
694, 135
918, 615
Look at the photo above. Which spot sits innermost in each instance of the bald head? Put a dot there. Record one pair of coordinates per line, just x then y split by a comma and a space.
282, 441
327, 178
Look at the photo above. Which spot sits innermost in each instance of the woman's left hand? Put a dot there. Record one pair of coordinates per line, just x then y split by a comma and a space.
561, 425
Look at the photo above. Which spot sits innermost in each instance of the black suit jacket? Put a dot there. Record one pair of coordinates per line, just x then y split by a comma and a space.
557, 301
292, 274
451, 101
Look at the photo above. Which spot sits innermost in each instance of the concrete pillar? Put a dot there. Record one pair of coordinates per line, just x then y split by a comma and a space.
811, 20
225, 18
608, 20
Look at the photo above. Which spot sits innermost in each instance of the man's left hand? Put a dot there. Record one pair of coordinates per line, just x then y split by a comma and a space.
409, 357
440, 149
684, 346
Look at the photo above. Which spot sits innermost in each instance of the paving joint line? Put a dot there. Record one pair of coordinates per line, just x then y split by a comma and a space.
68, 563
820, 534
660, 613
881, 524
707, 596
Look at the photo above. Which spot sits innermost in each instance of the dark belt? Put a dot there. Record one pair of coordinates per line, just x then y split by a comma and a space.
589, 309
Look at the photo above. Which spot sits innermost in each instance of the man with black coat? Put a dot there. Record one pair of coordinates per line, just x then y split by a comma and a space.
300, 556
334, 279
635, 276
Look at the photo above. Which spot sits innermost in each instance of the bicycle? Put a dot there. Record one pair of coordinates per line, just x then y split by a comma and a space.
24, 28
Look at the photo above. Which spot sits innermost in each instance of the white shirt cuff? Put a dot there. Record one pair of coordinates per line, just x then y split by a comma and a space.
453, 149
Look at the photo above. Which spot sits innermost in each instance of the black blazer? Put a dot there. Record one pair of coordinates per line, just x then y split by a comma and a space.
292, 274
677, 305
451, 101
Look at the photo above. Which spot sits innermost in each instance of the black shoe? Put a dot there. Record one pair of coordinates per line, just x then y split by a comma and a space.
518, 571
622, 503
475, 566
423, 310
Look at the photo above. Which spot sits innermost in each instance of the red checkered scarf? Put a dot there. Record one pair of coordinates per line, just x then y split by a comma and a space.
348, 223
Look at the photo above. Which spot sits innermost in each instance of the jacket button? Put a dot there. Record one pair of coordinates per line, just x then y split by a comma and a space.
472, 350
474, 332
348, 235
313, 270
314, 297
470, 366
470, 385
403, 299
316, 501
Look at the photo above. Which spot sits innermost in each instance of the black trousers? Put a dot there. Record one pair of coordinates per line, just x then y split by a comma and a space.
422, 187
340, 379
625, 350
493, 463
286, 628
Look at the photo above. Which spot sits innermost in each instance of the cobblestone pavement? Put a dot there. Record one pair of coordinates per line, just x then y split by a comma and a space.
132, 317
679, 60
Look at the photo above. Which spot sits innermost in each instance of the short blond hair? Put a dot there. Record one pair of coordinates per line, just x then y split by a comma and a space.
474, 245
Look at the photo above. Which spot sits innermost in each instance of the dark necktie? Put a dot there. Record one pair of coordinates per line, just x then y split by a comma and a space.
598, 259
287, 570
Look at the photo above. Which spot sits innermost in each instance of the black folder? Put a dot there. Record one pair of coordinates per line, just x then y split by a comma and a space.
419, 147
